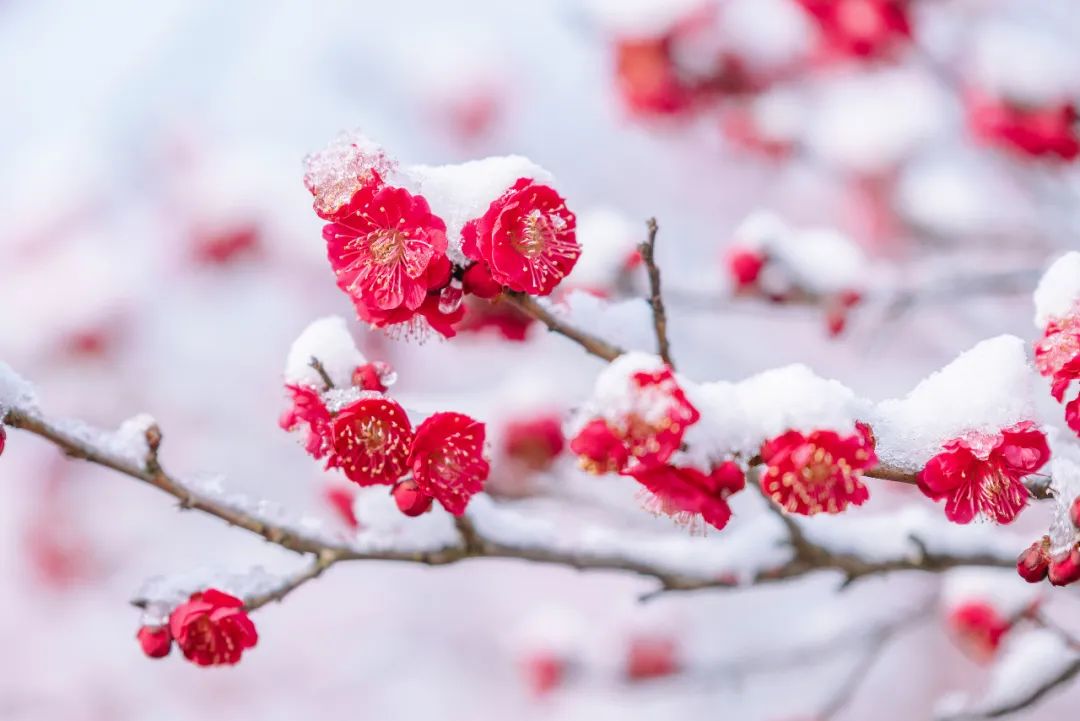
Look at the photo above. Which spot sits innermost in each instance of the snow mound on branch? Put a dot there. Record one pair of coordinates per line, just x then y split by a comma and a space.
1030, 661
163, 593
816, 260
644, 18
608, 238
794, 397
987, 388
1028, 64
459, 193
327, 339
15, 392
1059, 289
767, 33
1064, 471
1002, 589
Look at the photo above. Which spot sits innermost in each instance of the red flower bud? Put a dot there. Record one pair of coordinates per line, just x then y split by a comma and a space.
544, 672
1074, 509
478, 281
651, 657
3, 439
1034, 563
1065, 569
410, 499
156, 641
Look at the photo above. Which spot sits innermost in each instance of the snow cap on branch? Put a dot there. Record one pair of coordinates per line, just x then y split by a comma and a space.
987, 388
1058, 292
328, 340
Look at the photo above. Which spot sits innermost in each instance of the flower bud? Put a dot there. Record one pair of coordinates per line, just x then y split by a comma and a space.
1065, 569
1034, 563
3, 440
156, 641
651, 657
410, 499
1074, 509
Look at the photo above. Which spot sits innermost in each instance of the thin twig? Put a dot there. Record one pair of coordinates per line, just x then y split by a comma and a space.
656, 298
321, 370
592, 344
323, 561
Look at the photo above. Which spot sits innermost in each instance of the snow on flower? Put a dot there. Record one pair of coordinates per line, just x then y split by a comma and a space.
328, 341
638, 415
980, 475
212, 628
986, 389
817, 472
334, 175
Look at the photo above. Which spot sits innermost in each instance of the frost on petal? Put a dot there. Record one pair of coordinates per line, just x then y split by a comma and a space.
328, 340
986, 389
462, 192
1058, 291
334, 174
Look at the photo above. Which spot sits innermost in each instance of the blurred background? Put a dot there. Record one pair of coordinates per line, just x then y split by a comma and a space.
158, 253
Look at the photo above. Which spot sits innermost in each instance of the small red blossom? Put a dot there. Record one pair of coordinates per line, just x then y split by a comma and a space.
410, 499
371, 439
375, 376
341, 499
212, 628
817, 472
155, 641
1057, 356
3, 440
599, 449
381, 244
980, 474
687, 493
221, 246
447, 459
648, 78
535, 442
1065, 568
308, 408
1034, 563
979, 629
651, 657
527, 238
478, 281
544, 672
1038, 132
431, 315
861, 28
744, 266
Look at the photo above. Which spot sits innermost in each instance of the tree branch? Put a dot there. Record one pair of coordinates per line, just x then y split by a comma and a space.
592, 344
656, 299
474, 544
323, 561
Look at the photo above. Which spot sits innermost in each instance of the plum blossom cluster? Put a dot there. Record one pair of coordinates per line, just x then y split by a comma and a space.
1057, 353
682, 58
407, 244
769, 259
211, 628
689, 445
340, 402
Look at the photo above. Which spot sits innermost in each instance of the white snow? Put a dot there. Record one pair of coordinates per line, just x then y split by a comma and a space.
385, 528
987, 388
1064, 471
15, 392
165, 592
794, 397
643, 18
815, 260
1026, 63
607, 239
1059, 289
869, 122
335, 173
328, 340
768, 33
459, 193
1002, 589
1029, 661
